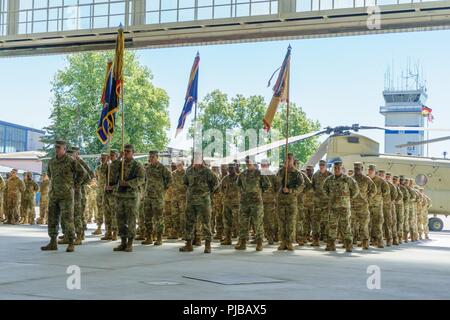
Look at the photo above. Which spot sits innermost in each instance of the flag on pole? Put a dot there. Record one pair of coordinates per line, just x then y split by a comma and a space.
112, 90
427, 112
191, 94
280, 90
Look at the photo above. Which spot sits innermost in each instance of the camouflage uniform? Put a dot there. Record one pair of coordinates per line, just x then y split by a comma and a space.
302, 228
80, 199
251, 185
13, 194
103, 211
168, 219
231, 199
376, 209
91, 203
394, 196
179, 202
200, 183
387, 213
127, 198
308, 205
420, 205
2, 187
157, 181
399, 210
340, 190
43, 205
412, 213
321, 211
28, 202
287, 203
406, 203
216, 211
360, 208
64, 174
269, 197
427, 206
141, 213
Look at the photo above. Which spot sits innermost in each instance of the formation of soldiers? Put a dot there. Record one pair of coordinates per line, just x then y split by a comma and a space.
152, 202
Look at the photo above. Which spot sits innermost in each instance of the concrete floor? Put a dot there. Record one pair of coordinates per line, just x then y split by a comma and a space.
410, 271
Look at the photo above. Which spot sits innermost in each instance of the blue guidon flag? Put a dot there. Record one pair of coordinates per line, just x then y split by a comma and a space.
191, 95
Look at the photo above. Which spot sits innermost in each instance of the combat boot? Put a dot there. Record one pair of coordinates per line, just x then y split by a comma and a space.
259, 245
198, 242
52, 246
289, 246
282, 246
64, 240
315, 242
188, 247
405, 237
389, 242
365, 244
207, 246
380, 243
270, 241
114, 236
241, 245
348, 246
332, 245
395, 242
158, 241
129, 247
360, 244
427, 237
300, 242
122, 245
82, 236
108, 236
227, 241
71, 246
40, 221
78, 240
97, 231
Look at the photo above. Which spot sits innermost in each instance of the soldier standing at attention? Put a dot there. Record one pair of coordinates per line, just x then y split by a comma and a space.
157, 181
101, 173
403, 186
269, 203
231, 198
252, 184
399, 209
200, 182
305, 203
321, 204
394, 196
376, 207
127, 177
179, 200
64, 173
13, 195
308, 203
413, 198
340, 189
110, 196
387, 214
28, 199
43, 204
287, 202
360, 205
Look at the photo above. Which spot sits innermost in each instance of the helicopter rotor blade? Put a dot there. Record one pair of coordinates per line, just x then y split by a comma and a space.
320, 152
417, 143
405, 128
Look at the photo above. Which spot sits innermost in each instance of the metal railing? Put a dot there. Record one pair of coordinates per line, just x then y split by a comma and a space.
42, 16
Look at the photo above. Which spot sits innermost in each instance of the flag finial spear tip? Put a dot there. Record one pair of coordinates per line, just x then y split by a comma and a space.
289, 48
198, 54
121, 26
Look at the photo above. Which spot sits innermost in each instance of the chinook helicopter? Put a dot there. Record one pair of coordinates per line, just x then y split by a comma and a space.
344, 144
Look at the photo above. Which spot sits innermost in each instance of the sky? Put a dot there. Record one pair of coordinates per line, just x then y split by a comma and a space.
338, 81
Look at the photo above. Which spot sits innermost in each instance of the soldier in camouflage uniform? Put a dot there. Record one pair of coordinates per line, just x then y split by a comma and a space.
91, 201
321, 204
200, 182
427, 206
394, 196
376, 207
128, 176
251, 185
399, 209
2, 188
28, 201
360, 205
413, 197
64, 173
269, 197
109, 199
217, 207
179, 200
305, 197
231, 199
340, 189
101, 173
287, 202
157, 181
168, 219
387, 213
80, 197
419, 213
13, 195
140, 228
43, 204
406, 203
308, 203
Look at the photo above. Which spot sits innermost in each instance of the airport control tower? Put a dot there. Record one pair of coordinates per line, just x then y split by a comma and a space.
403, 108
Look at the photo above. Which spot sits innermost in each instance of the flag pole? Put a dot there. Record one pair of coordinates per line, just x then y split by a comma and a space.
122, 91
288, 102
195, 128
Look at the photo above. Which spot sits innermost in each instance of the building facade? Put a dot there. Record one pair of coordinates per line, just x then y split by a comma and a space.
17, 138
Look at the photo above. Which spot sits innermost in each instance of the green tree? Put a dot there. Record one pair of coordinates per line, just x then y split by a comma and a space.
299, 124
76, 105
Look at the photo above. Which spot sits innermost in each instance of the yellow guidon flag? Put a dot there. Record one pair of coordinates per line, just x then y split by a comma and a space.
280, 90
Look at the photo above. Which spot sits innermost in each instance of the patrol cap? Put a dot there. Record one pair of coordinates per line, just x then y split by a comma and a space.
402, 177
309, 167
322, 162
388, 174
70, 151
104, 155
357, 164
14, 170
337, 163
372, 167
61, 143
395, 177
114, 151
75, 149
129, 147
381, 171
153, 152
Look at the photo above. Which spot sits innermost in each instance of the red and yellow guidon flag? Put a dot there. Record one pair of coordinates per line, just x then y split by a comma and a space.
280, 90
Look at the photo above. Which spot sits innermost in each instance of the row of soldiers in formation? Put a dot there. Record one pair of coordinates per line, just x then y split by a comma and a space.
286, 207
